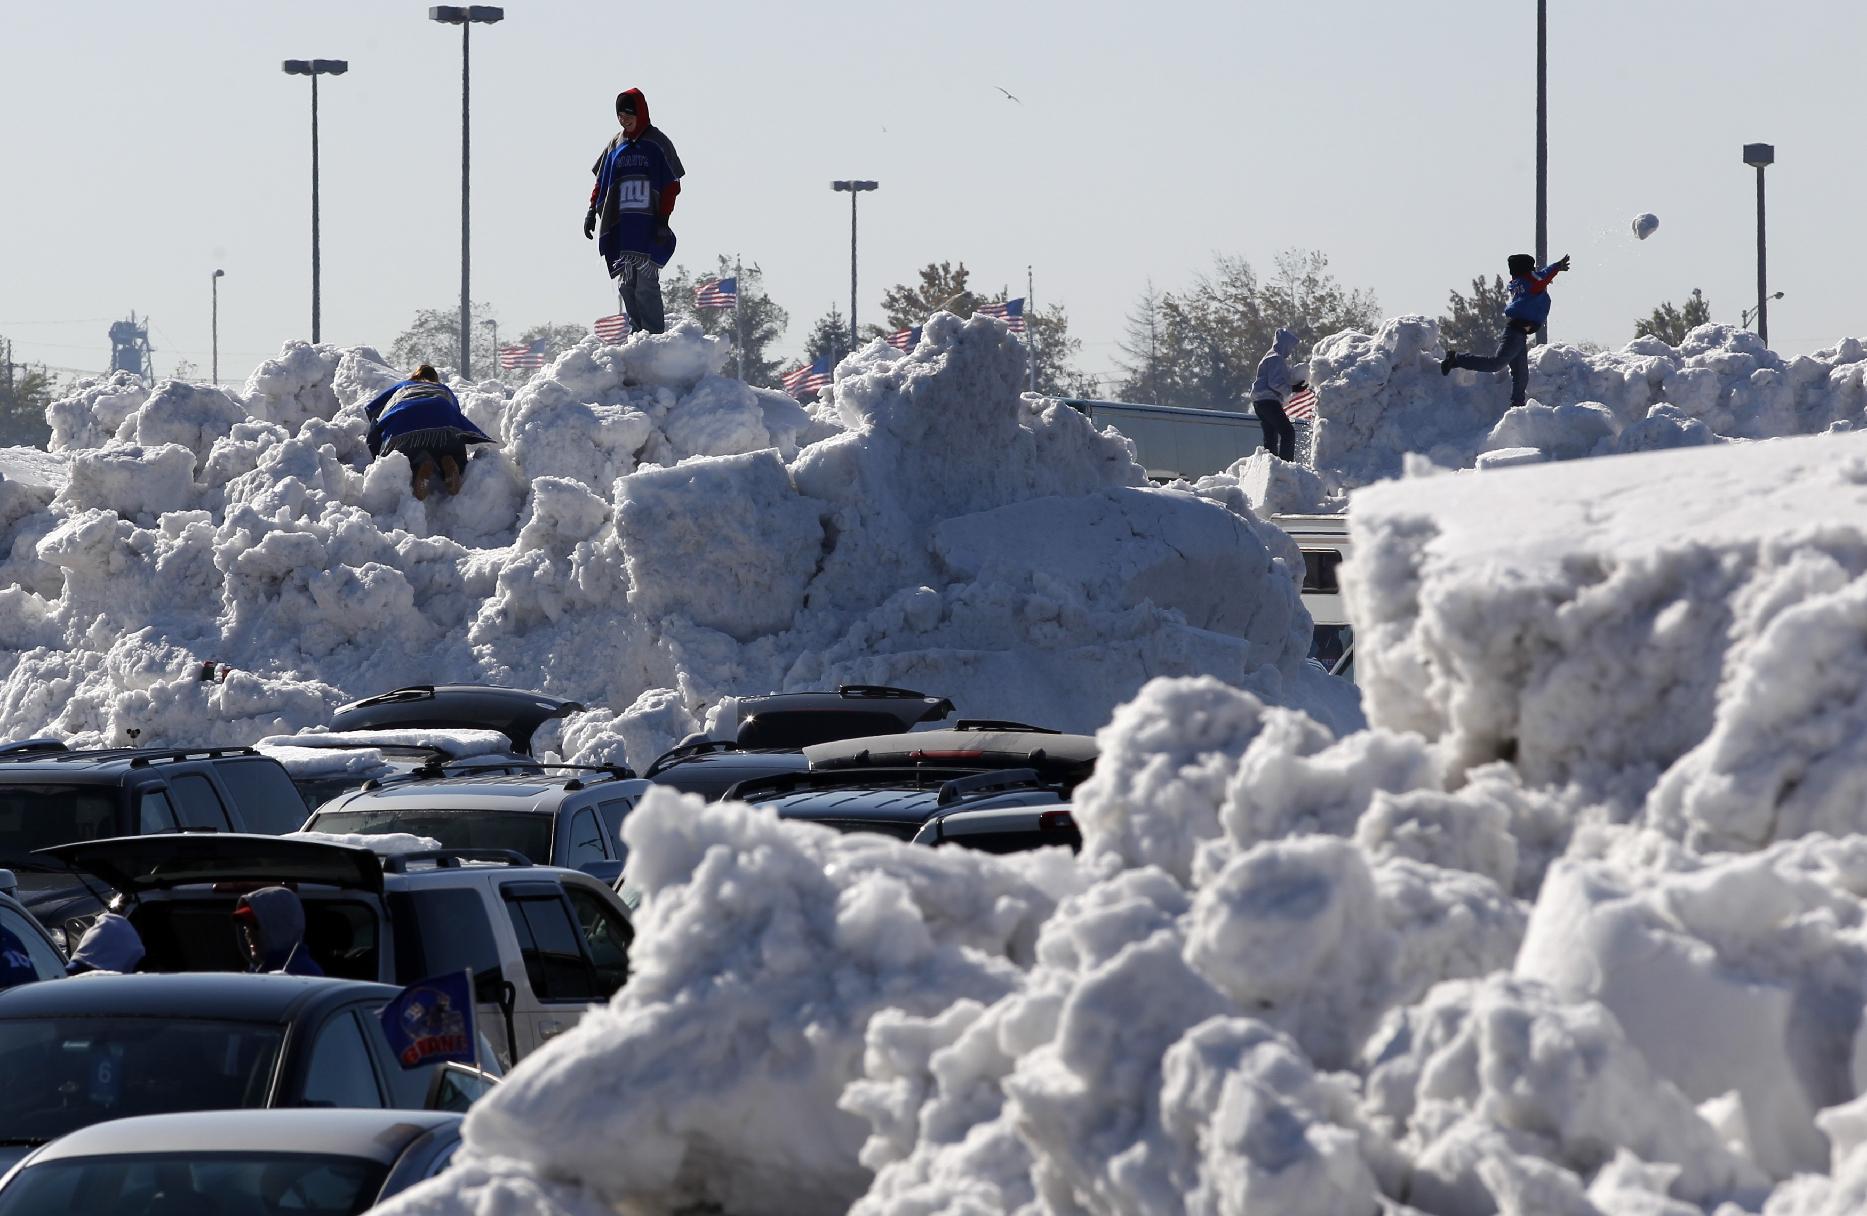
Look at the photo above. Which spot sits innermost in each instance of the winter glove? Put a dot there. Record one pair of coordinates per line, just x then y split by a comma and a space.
589, 224
1562, 265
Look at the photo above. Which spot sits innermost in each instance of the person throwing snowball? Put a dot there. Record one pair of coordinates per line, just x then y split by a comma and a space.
638, 177
1523, 315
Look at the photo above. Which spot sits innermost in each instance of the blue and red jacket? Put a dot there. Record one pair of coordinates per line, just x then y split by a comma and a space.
1529, 297
417, 405
637, 181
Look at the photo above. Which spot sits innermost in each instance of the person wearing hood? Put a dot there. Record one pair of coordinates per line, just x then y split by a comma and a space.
1273, 386
111, 944
421, 418
638, 177
270, 926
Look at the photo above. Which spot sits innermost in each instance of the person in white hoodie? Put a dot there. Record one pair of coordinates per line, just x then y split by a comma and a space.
1273, 386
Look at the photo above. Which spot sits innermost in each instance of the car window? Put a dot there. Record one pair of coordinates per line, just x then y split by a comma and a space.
45, 960
439, 931
340, 1073
524, 832
265, 795
144, 1184
586, 839
606, 935
614, 811
199, 805
155, 813
38, 816
552, 948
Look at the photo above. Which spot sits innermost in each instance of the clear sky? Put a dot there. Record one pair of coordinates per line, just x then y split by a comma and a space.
148, 144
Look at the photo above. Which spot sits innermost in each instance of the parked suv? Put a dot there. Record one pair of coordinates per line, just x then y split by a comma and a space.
50, 795
543, 943
1003, 829
894, 801
325, 764
513, 712
556, 814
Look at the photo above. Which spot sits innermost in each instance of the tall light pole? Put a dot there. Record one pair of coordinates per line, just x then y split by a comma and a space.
465, 17
215, 366
1760, 157
315, 68
1542, 146
855, 188
1744, 321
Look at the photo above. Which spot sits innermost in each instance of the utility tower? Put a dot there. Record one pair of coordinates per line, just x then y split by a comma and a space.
129, 348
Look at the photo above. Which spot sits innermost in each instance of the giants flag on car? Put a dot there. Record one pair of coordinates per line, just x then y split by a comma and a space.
1302, 403
432, 1020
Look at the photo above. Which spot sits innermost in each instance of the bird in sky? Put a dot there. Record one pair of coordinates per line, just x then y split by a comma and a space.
1007, 92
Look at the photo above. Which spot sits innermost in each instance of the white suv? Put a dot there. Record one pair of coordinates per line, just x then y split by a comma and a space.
543, 944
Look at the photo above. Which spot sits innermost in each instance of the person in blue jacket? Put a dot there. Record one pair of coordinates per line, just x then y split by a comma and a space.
421, 418
1523, 315
270, 926
638, 177
1270, 390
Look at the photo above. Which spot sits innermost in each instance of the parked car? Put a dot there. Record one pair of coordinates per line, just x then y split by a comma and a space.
1003, 829
774, 729
969, 746
1325, 545
50, 795
324, 764
46, 955
893, 801
543, 943
314, 1162
513, 712
78, 1052
556, 815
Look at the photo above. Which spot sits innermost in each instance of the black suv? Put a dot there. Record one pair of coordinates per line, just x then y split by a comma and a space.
50, 796
513, 712
774, 729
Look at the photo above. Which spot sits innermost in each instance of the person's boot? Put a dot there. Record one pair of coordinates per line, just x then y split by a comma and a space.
450, 475
1445, 364
424, 473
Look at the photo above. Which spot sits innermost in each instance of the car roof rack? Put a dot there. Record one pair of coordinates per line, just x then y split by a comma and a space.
1003, 724
450, 859
879, 690
32, 747
960, 788
918, 777
143, 759
610, 772
682, 751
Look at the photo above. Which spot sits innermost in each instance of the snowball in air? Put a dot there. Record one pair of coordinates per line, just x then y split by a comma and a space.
1646, 224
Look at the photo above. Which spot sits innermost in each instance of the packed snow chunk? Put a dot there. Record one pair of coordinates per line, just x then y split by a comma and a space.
1742, 975
763, 949
192, 415
634, 736
1457, 831
1581, 621
295, 385
90, 416
1562, 432
1447, 925
383, 844
1497, 1069
1646, 224
724, 542
1276, 487
140, 484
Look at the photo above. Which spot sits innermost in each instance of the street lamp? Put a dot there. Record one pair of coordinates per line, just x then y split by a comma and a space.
855, 188
1760, 157
1751, 312
215, 366
315, 68
465, 17
1542, 147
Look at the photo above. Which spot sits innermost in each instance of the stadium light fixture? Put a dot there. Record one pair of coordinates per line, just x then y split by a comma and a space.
315, 68
855, 189
466, 17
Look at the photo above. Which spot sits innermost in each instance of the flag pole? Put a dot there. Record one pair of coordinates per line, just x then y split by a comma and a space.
1030, 326
739, 333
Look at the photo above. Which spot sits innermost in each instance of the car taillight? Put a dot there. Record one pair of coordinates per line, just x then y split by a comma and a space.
1056, 821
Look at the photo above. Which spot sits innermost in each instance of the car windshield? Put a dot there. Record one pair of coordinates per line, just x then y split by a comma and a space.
39, 816
63, 1073
526, 832
148, 1184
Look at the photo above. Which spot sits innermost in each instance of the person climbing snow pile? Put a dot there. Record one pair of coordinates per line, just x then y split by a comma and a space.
1271, 390
1523, 315
638, 177
420, 418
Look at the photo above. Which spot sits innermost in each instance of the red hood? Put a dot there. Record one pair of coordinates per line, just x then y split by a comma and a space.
641, 106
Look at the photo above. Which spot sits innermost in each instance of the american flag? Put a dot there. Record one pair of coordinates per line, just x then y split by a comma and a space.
1011, 312
717, 293
613, 329
530, 355
812, 377
905, 339
1302, 403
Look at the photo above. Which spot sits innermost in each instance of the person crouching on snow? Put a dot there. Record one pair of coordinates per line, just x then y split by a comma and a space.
1523, 315
420, 418
1270, 390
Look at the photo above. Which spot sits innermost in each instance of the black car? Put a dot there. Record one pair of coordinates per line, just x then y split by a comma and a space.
513, 712
969, 746
77, 1052
51, 796
894, 801
774, 729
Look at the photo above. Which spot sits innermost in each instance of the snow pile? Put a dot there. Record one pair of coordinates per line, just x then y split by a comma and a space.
1382, 396
649, 537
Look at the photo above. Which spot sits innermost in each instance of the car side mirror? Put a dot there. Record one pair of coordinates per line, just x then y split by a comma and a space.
605, 872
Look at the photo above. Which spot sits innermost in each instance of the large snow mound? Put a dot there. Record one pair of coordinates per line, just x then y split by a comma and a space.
649, 537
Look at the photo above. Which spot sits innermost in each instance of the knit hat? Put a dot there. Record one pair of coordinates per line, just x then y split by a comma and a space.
625, 102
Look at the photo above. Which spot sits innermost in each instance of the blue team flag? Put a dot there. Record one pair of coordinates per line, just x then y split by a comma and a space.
432, 1020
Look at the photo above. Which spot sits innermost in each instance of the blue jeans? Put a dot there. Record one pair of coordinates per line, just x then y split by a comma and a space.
638, 288
1513, 351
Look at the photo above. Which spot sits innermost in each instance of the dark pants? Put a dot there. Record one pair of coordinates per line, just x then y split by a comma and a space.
1513, 351
431, 445
1280, 437
638, 285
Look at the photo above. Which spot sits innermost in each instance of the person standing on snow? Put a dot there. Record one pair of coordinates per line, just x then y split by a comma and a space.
1270, 390
638, 177
269, 925
1523, 315
421, 418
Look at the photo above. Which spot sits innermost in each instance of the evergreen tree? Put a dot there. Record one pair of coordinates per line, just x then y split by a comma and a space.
942, 286
1472, 322
1670, 325
1145, 367
24, 394
1047, 330
829, 337
762, 319
557, 337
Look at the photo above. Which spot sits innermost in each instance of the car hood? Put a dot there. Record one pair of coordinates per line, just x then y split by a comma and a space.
133, 864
